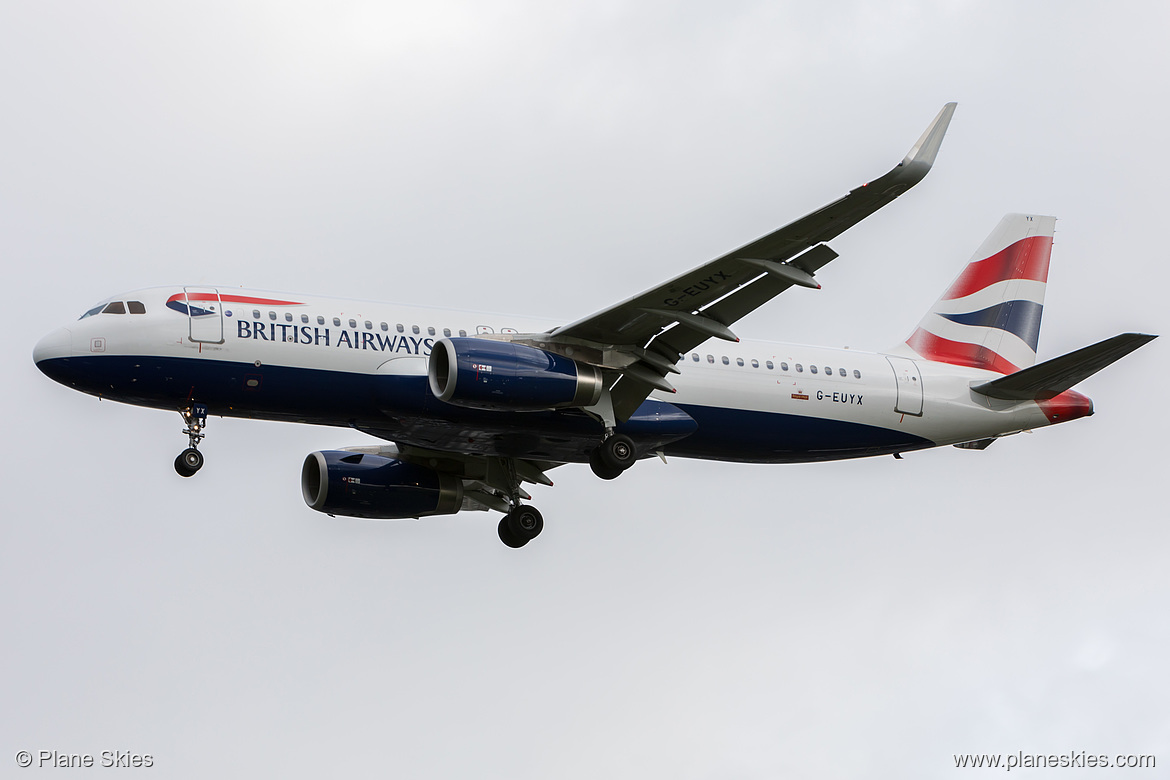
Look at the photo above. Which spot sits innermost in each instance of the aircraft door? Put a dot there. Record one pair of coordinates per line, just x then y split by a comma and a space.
205, 312
909, 385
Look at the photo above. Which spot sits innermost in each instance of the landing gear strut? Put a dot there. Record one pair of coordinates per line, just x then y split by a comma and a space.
190, 460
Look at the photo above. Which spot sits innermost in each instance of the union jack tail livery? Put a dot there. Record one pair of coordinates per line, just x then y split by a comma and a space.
990, 315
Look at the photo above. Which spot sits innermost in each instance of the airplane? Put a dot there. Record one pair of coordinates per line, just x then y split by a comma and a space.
474, 406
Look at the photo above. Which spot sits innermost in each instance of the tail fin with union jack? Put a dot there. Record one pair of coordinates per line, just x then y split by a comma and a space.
990, 315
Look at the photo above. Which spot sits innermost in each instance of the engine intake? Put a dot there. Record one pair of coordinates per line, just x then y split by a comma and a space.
356, 484
486, 374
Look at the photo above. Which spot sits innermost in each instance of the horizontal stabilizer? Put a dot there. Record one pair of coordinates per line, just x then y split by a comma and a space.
1053, 377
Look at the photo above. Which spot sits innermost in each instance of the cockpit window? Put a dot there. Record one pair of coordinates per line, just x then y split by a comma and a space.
114, 307
136, 307
92, 311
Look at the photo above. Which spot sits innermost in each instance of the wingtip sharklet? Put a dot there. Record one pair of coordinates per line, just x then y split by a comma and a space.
926, 149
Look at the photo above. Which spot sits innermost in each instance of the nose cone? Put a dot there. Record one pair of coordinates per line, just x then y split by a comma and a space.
1069, 405
52, 351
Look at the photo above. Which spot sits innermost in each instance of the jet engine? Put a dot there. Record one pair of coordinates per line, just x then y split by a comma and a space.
500, 375
357, 484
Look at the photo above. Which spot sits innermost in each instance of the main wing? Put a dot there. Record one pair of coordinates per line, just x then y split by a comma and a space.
638, 342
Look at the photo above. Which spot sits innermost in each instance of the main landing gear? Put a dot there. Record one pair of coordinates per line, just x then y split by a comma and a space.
522, 523
520, 526
190, 460
615, 454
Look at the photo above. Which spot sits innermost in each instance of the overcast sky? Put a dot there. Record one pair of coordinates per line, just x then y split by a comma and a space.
688, 620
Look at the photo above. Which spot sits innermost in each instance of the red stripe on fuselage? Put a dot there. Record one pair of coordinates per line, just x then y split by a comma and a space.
231, 299
958, 353
1026, 259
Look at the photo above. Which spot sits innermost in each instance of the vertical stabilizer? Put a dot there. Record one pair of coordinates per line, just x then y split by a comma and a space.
990, 315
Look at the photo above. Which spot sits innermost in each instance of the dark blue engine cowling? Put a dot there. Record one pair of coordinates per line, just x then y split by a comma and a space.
486, 374
360, 485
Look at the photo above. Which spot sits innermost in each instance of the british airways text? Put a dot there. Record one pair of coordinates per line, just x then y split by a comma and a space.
324, 337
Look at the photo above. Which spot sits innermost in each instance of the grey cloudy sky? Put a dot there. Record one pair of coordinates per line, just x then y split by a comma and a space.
689, 620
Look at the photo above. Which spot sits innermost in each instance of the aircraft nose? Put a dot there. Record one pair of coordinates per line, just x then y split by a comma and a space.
58, 344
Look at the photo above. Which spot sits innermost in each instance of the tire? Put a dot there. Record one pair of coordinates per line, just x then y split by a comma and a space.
192, 459
506, 536
182, 468
618, 452
525, 522
600, 469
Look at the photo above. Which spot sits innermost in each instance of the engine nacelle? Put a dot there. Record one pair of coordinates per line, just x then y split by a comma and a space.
360, 485
487, 374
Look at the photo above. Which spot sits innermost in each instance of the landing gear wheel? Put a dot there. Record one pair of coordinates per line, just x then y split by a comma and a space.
600, 469
506, 535
189, 461
617, 452
525, 522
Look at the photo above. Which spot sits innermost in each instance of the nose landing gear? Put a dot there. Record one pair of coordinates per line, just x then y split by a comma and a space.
190, 460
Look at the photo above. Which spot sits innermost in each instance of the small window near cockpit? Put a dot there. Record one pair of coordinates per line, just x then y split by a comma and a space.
136, 307
117, 307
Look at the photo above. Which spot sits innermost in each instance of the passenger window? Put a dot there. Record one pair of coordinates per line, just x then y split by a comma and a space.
320, 320
710, 358
783, 366
856, 374
841, 371
812, 369
739, 361
272, 315
305, 318
799, 368
337, 322
695, 356
384, 326
447, 332
117, 307
726, 362
256, 313
352, 323
136, 307
462, 334
430, 331
769, 365
755, 363
369, 325
288, 316
828, 371
399, 328
414, 329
